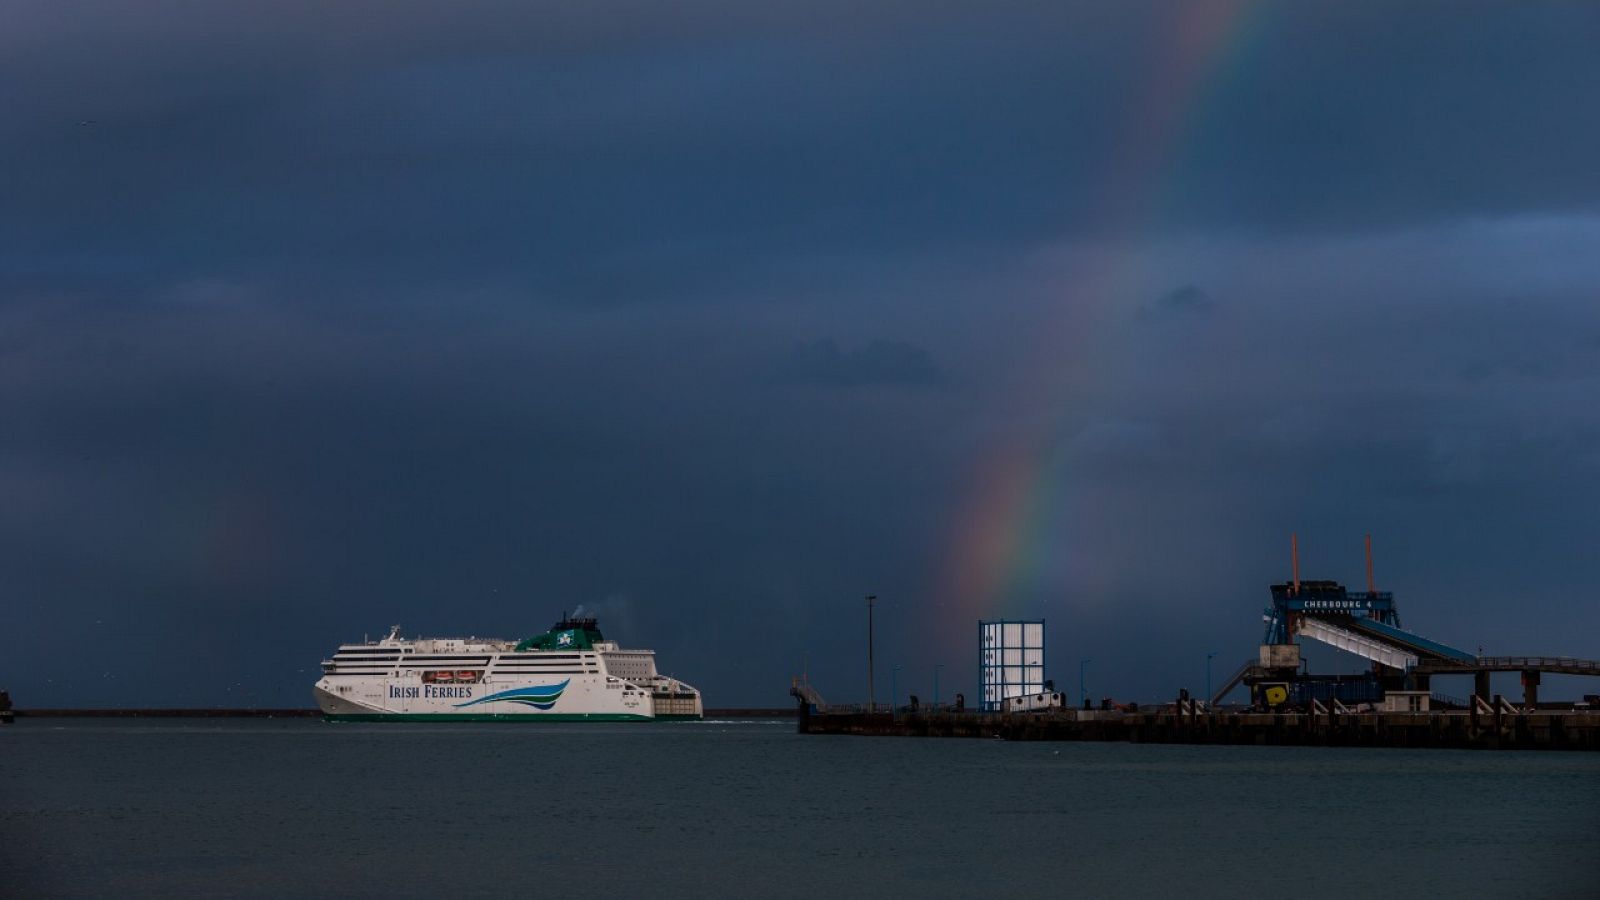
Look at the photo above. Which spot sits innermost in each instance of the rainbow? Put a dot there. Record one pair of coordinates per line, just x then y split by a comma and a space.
1008, 528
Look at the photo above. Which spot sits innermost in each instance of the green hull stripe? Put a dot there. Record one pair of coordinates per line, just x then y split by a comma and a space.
485, 717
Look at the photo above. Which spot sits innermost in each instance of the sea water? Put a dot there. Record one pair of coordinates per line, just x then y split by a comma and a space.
301, 808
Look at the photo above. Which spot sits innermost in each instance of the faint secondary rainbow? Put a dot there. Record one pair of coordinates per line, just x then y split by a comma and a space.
1017, 495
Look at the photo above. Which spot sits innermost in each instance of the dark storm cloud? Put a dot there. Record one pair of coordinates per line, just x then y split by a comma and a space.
1186, 300
313, 317
880, 362
631, 152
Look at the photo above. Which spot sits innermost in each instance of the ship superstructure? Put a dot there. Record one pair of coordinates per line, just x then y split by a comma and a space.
570, 672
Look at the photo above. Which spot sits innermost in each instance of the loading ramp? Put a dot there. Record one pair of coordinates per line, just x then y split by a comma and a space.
1353, 641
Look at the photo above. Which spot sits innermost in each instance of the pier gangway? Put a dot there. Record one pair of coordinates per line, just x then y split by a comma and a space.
1555, 665
1232, 681
800, 688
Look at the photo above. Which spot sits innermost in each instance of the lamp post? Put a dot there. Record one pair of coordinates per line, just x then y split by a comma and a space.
936, 668
894, 690
1083, 695
1208, 676
872, 700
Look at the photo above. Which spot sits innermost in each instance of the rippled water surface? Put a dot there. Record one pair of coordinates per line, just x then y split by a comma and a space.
287, 808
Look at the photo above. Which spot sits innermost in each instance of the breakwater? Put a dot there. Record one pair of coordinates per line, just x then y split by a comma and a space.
1537, 730
298, 713
169, 713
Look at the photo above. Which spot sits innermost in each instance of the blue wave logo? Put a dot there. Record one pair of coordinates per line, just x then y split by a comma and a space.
538, 697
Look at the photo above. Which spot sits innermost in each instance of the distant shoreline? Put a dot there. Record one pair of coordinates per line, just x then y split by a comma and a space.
206, 713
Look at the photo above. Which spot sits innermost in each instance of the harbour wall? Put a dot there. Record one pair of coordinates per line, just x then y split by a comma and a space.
1456, 729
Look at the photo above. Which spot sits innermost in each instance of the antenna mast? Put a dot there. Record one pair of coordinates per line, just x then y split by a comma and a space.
1372, 586
1294, 560
872, 700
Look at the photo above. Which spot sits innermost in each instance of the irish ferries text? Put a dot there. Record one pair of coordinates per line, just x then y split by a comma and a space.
399, 692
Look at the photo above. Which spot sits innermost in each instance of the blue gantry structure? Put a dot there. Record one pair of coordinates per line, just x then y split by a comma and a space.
1367, 624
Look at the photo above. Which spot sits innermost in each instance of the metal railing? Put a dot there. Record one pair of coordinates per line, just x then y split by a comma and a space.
1558, 664
1534, 662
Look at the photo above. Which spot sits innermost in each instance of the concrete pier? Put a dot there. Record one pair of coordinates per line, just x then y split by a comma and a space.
1500, 729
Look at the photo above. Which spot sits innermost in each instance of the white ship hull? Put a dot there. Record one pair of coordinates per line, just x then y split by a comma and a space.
570, 697
565, 675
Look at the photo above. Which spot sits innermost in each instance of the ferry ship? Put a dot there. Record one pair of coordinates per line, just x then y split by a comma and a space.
570, 672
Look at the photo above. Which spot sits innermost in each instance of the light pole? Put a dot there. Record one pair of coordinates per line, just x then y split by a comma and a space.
1208, 676
894, 689
872, 700
1083, 695
936, 668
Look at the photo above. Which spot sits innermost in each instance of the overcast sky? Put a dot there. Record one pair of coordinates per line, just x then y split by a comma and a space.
715, 317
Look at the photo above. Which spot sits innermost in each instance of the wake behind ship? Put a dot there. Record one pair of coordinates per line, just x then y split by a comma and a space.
570, 672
